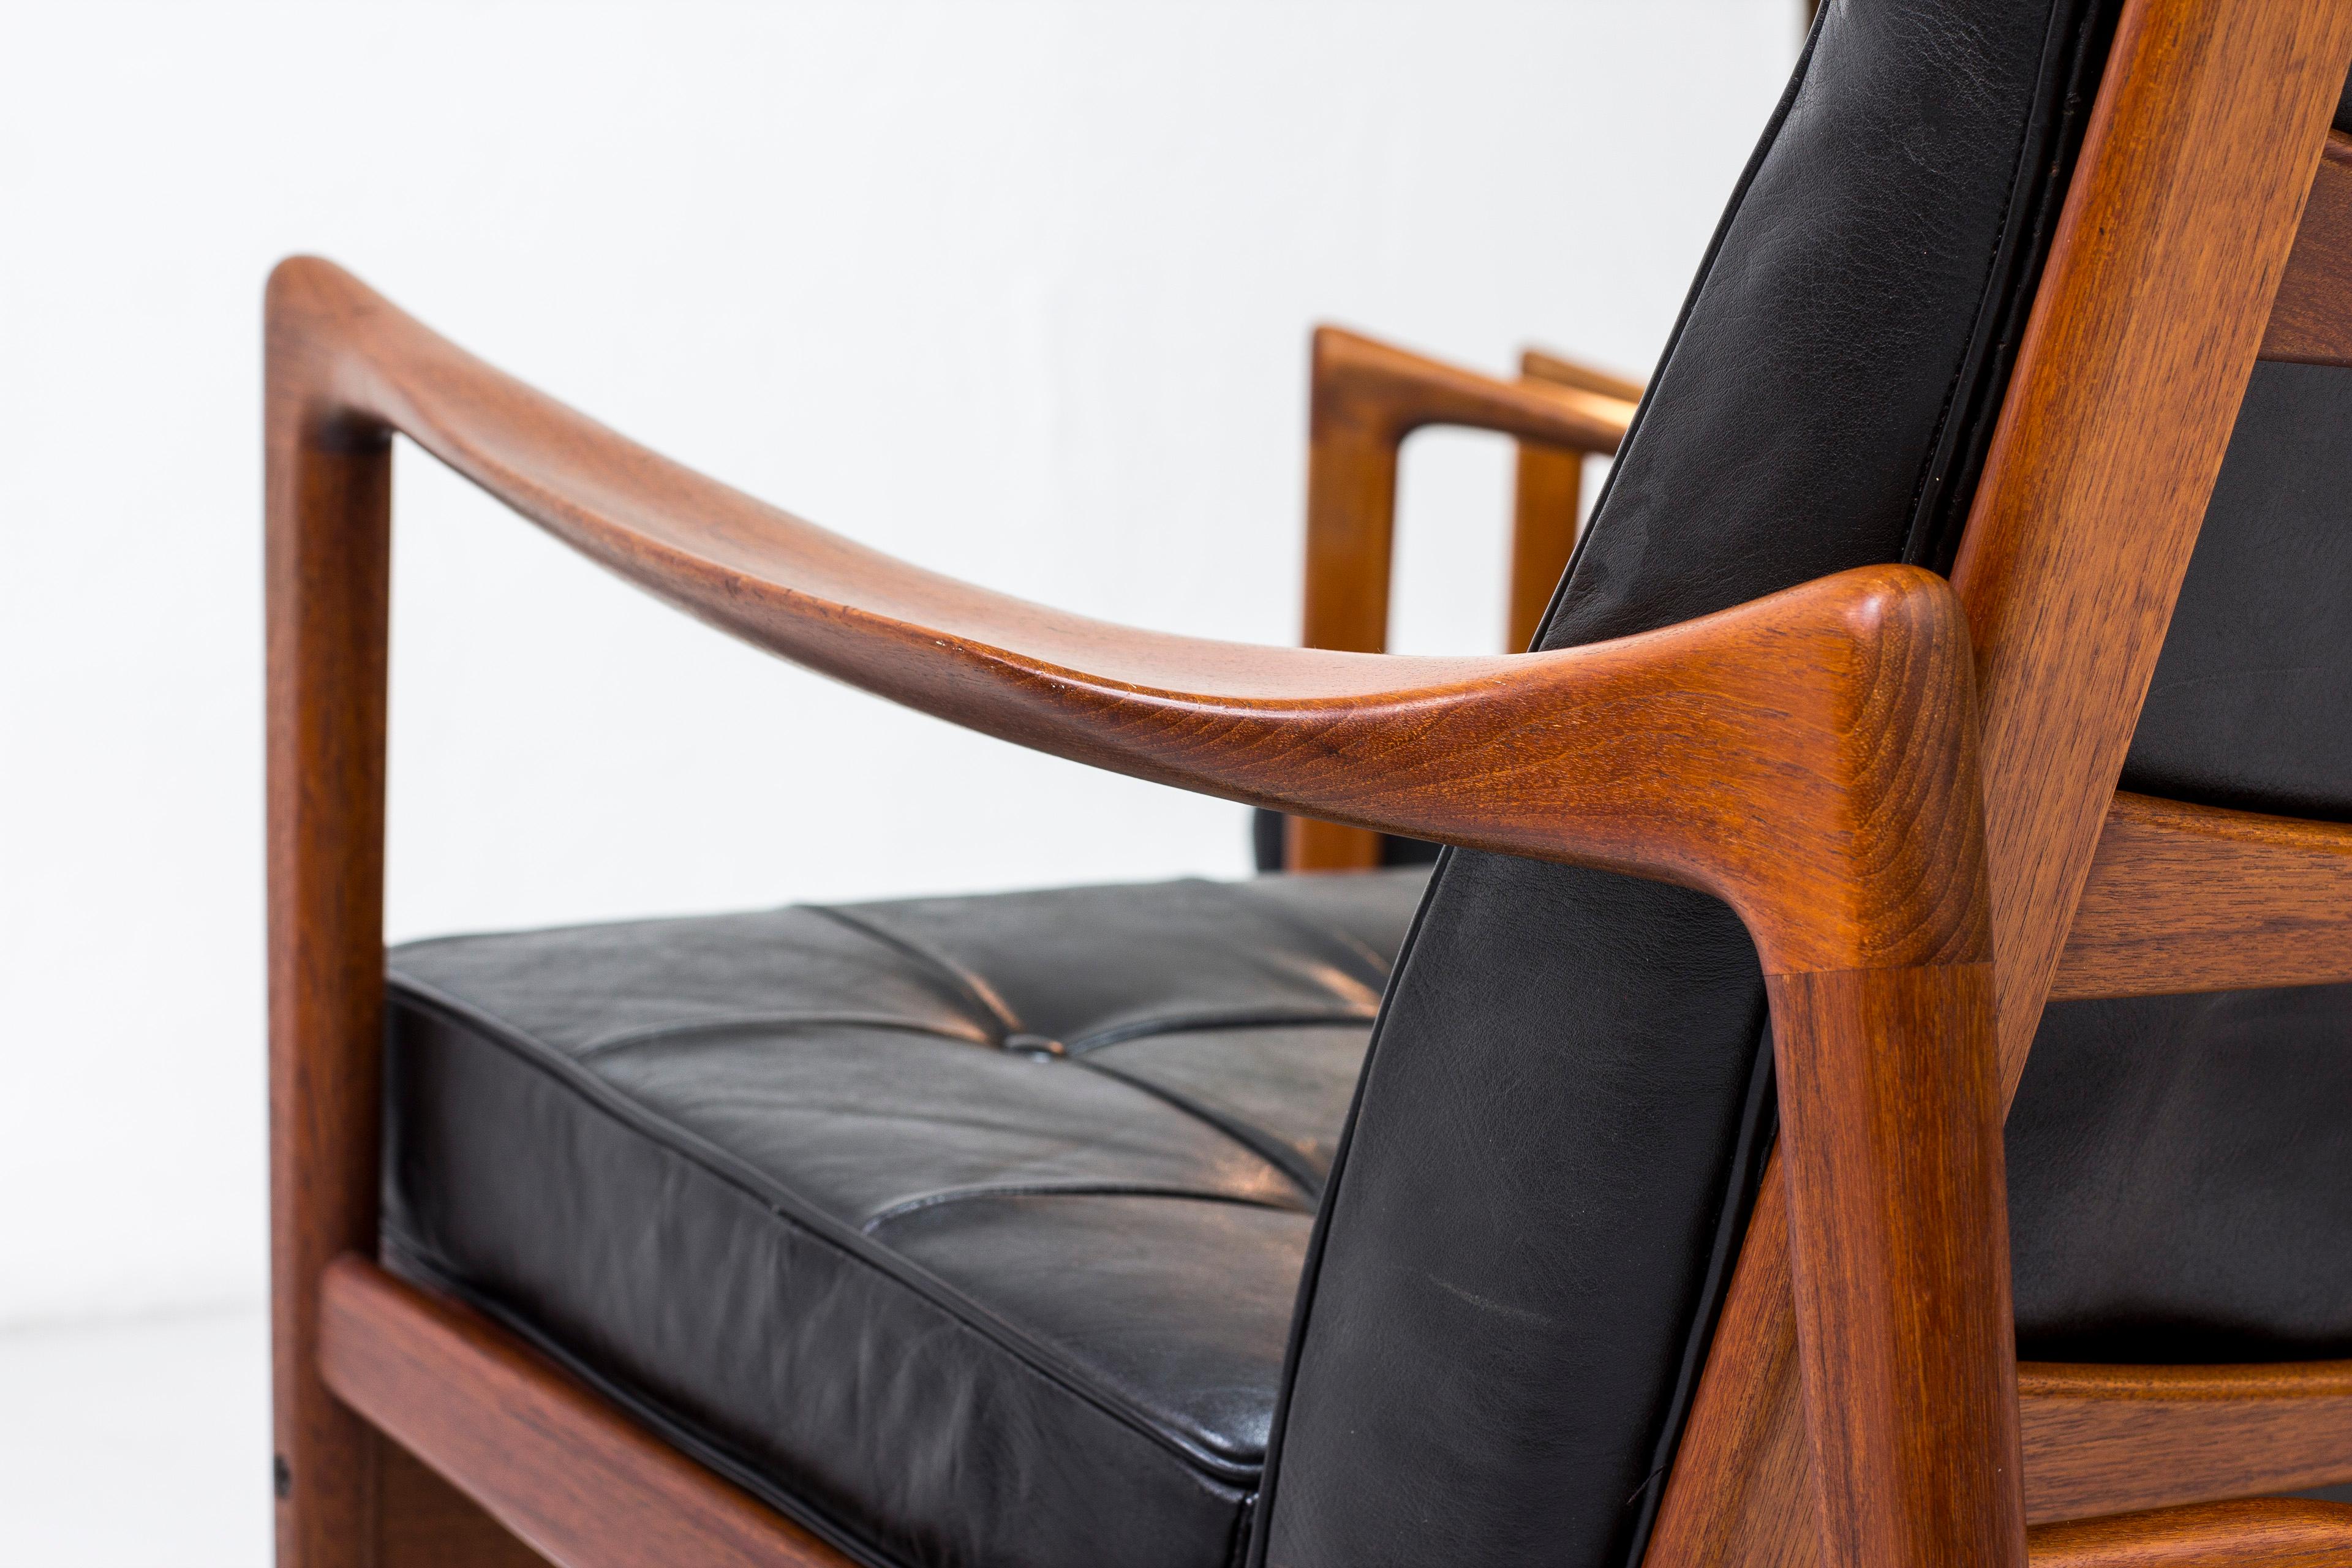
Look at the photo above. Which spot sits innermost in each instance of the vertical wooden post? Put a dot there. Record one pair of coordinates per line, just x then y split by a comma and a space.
1891, 1109
1351, 479
1548, 496
328, 495
1545, 498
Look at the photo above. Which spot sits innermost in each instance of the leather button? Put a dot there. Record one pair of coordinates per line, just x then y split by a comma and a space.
1034, 1046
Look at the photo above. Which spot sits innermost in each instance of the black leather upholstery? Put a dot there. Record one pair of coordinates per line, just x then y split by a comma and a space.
2251, 702
966, 1230
2180, 1179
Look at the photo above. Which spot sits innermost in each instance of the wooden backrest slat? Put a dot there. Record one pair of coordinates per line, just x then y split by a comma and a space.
2193, 898
2311, 319
2114, 1440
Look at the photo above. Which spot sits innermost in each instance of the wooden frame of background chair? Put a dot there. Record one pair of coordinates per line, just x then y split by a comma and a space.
1363, 399
1905, 788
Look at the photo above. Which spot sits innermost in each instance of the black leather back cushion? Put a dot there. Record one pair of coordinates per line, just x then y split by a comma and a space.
1560, 1119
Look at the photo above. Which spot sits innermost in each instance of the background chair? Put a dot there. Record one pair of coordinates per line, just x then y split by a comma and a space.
1601, 1265
1364, 398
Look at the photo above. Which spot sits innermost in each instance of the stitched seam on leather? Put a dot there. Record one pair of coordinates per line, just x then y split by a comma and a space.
1977, 354
1968, 357
605, 1045
1237, 1542
1212, 1023
1240, 1130
1073, 1190
982, 995
1381, 964
1021, 1349
1759, 1130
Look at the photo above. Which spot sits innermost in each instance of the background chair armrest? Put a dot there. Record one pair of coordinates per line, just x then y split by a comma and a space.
1542, 364
1366, 397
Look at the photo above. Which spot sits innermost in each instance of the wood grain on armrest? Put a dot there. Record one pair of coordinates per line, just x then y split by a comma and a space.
1806, 757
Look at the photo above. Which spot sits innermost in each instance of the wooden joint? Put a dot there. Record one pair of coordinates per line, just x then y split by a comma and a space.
1380, 393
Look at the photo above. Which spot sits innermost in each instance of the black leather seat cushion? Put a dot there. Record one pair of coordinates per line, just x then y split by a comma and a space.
969, 1230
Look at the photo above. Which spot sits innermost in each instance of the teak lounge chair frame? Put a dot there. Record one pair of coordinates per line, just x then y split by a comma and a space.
1905, 786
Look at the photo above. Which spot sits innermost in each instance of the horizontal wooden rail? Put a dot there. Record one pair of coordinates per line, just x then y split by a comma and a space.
2311, 319
566, 1471
2194, 898
2273, 1532
547, 1458
1540, 365
2112, 1439
1378, 386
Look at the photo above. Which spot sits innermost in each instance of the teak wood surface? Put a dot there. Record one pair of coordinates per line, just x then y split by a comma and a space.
428, 1520
2175, 228
2308, 323
2273, 1533
2117, 1439
2196, 898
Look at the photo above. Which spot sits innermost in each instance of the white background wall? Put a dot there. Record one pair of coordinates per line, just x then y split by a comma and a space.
1018, 290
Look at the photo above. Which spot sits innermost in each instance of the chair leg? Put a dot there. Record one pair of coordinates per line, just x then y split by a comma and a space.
1891, 1104
329, 514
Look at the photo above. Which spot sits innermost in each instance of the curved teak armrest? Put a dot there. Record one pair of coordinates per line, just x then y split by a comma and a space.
1810, 758
1792, 756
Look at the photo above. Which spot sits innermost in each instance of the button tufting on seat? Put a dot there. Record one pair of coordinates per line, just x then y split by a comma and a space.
967, 1230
